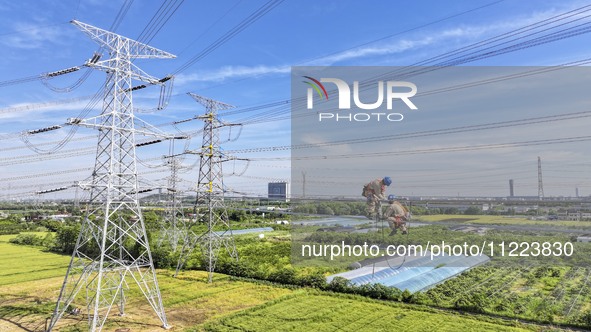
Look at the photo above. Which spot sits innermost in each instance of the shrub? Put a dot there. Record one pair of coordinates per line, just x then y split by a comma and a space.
286, 275
340, 284
27, 240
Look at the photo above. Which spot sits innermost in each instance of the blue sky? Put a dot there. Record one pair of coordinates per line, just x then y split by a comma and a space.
253, 69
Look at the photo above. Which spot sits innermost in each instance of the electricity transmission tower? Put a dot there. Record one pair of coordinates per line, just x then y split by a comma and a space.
112, 247
209, 205
540, 184
173, 226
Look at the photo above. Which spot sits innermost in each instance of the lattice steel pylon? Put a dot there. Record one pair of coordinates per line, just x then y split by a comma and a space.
540, 183
173, 226
112, 247
209, 205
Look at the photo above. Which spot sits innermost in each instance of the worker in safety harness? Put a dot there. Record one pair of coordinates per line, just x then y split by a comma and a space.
374, 192
396, 214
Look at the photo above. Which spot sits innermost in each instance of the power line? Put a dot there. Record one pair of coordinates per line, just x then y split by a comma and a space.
453, 58
439, 150
252, 18
383, 38
210, 27
121, 14
453, 130
36, 28
160, 18
427, 133
265, 116
29, 107
25, 177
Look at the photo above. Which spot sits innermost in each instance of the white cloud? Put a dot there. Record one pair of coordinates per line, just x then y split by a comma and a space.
228, 72
382, 49
388, 47
19, 112
32, 36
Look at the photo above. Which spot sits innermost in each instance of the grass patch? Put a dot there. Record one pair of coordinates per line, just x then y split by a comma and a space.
316, 311
502, 220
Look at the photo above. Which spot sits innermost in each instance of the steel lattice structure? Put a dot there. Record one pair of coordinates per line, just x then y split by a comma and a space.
540, 183
173, 227
209, 205
112, 247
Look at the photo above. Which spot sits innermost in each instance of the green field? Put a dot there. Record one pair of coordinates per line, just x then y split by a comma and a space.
307, 311
502, 220
30, 280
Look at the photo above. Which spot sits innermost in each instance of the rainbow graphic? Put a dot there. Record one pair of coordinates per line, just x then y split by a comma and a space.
317, 86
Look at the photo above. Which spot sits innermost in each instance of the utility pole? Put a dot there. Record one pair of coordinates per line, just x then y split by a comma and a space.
540, 183
102, 263
210, 207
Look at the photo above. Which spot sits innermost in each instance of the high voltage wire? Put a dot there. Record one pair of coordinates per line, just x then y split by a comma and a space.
492, 174
35, 157
32, 29
437, 150
281, 110
29, 107
474, 56
20, 80
461, 129
545, 39
121, 14
410, 30
385, 37
73, 129
259, 117
252, 18
150, 34
210, 27
454, 59
38, 185
25, 177
95, 99
118, 19
494, 125
506, 77
160, 18
157, 22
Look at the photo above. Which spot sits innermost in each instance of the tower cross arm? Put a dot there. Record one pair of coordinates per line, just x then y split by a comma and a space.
134, 71
114, 42
209, 103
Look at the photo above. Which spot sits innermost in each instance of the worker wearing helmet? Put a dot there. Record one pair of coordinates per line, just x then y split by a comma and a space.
396, 214
374, 192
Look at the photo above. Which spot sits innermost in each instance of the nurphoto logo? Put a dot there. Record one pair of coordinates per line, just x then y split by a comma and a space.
392, 89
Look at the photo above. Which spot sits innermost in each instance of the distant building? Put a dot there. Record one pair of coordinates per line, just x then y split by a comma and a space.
521, 209
278, 191
57, 217
572, 215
